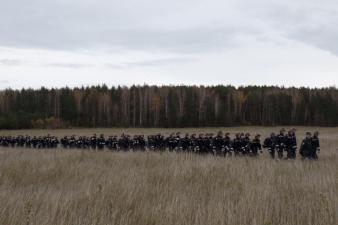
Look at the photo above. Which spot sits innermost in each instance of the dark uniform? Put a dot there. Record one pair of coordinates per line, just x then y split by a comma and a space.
110, 143
315, 146
246, 144
255, 145
281, 144
218, 144
101, 142
306, 147
185, 143
170, 142
227, 145
200, 148
93, 142
237, 144
291, 145
270, 144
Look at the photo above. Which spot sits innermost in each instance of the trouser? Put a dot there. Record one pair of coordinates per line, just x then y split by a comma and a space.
313, 154
254, 152
280, 152
291, 153
272, 152
305, 154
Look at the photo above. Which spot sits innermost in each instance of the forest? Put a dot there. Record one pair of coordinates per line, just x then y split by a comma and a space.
167, 106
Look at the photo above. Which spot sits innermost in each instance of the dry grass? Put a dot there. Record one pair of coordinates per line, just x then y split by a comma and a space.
82, 187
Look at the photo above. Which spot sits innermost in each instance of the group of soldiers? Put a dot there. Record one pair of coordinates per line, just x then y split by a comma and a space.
220, 144
283, 142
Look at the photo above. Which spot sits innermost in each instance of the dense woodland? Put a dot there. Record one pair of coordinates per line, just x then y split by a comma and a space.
167, 106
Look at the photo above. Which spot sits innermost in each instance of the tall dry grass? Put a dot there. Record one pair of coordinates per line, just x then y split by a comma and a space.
82, 187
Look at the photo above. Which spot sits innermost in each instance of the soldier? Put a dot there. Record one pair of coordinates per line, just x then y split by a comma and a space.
133, 143
193, 143
54, 142
64, 141
200, 144
177, 142
47, 140
4, 142
315, 145
246, 144
280, 143
218, 144
227, 145
93, 142
306, 147
160, 142
115, 144
72, 142
255, 145
170, 142
151, 142
291, 144
28, 142
20, 141
208, 145
237, 144
101, 142
142, 143
270, 144
185, 143
86, 142
13, 141
34, 142
109, 142
124, 142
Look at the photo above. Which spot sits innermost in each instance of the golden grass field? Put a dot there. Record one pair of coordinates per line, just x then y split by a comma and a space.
46, 187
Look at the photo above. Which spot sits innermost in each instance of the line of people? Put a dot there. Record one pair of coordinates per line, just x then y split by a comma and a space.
220, 144
282, 142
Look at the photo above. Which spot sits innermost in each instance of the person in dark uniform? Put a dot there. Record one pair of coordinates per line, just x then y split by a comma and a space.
291, 145
28, 142
142, 143
255, 145
227, 145
270, 144
110, 142
246, 144
193, 143
218, 144
280, 143
200, 144
35, 142
294, 143
101, 142
177, 142
93, 142
237, 144
150, 142
306, 147
72, 141
315, 145
170, 142
185, 143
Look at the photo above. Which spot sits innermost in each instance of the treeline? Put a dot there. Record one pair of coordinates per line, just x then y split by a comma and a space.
167, 106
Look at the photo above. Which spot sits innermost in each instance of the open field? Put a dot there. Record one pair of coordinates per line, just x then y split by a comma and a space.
84, 187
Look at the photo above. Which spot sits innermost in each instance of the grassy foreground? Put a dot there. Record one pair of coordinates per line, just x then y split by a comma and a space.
82, 187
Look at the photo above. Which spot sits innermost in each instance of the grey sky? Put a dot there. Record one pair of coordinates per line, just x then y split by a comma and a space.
239, 42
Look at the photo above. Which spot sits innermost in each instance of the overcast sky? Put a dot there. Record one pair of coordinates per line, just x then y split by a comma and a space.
56, 43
